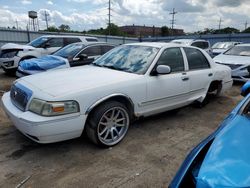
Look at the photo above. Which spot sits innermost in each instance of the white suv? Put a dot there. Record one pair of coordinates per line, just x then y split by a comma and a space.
199, 43
11, 54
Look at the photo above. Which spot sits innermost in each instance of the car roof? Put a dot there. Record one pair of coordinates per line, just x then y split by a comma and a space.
156, 44
68, 36
245, 44
93, 43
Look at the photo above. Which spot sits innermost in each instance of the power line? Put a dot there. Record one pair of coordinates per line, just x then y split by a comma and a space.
173, 20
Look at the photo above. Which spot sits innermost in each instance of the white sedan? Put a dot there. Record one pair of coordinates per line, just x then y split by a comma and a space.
238, 59
128, 82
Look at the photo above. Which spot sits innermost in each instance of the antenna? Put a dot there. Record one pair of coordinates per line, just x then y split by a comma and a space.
246, 25
173, 20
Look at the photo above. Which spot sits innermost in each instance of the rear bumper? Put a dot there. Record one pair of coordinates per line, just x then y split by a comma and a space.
44, 129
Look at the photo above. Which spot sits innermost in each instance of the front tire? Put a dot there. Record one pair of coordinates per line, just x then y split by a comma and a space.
108, 124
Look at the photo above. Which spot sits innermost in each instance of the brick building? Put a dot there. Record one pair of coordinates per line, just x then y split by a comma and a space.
145, 31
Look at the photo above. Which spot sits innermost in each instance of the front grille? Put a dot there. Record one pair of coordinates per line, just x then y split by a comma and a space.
19, 97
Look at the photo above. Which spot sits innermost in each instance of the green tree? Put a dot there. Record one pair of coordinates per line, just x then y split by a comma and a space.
64, 27
164, 31
227, 30
247, 30
52, 29
114, 30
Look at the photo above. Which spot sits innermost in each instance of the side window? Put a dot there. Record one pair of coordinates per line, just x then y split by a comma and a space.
202, 45
71, 40
91, 40
92, 51
56, 42
173, 58
196, 59
106, 49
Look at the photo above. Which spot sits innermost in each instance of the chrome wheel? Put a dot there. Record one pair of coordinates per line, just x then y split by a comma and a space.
113, 125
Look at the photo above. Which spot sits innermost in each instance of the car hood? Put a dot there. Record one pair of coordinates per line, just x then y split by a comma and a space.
43, 63
10, 46
227, 162
62, 82
232, 59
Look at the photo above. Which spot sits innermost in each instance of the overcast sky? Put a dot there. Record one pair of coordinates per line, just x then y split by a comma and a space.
82, 15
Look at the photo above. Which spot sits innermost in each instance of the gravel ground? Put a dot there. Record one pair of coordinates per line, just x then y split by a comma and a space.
149, 156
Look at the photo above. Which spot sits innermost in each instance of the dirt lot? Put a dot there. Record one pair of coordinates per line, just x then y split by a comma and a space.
149, 156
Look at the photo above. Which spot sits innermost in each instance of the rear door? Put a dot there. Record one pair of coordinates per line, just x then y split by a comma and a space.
170, 90
200, 73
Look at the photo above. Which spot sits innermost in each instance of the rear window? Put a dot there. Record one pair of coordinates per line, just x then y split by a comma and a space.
239, 51
196, 59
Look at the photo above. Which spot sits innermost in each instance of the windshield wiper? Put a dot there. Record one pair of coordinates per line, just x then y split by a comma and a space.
111, 67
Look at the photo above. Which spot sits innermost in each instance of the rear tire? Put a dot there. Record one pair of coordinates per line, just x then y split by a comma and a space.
108, 124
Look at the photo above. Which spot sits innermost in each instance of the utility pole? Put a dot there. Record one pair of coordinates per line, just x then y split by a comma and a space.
173, 20
220, 23
16, 24
46, 18
109, 15
246, 25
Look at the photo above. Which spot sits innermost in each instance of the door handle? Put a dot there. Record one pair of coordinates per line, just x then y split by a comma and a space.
210, 74
185, 78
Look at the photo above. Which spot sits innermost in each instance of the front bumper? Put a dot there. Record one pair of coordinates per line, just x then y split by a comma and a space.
239, 72
9, 63
44, 129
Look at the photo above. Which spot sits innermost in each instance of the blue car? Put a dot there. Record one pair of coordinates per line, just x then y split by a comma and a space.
222, 160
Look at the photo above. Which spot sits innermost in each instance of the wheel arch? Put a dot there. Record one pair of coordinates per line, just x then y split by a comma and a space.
214, 85
119, 97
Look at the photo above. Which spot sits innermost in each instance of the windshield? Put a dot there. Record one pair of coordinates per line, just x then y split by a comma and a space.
239, 51
221, 45
128, 58
38, 42
70, 50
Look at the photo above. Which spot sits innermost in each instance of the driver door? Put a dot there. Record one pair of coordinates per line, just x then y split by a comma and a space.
92, 53
52, 45
169, 91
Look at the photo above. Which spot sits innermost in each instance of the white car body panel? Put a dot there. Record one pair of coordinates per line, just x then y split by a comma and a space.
89, 85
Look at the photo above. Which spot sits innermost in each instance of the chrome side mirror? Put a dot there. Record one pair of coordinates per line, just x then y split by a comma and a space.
163, 69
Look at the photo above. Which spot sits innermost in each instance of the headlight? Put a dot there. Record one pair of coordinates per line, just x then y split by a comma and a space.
45, 108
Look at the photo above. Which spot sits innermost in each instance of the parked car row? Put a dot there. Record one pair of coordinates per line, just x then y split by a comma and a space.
72, 55
11, 54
